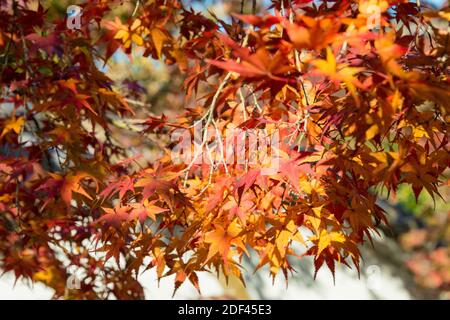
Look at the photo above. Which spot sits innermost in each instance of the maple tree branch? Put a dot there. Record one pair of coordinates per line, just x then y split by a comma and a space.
138, 3
141, 104
8, 45
255, 99
28, 72
45, 152
211, 170
298, 67
209, 116
243, 103
210, 112
19, 214
222, 154
122, 124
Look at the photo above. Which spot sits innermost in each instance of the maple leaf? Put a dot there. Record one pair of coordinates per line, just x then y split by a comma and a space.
262, 22
70, 84
241, 208
14, 124
339, 72
254, 65
115, 217
158, 38
122, 186
72, 183
127, 35
220, 240
152, 184
146, 210
312, 33
245, 182
47, 43
81, 100
292, 172
66, 186
326, 239
217, 197
285, 236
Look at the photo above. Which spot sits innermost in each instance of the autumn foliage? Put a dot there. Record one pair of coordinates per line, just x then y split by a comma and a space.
358, 110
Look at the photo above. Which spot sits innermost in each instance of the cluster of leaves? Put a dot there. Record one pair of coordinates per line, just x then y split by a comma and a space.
358, 110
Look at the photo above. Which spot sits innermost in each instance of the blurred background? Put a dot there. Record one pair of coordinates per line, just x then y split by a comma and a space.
410, 259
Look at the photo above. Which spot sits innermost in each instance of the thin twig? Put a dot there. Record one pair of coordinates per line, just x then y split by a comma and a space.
241, 96
138, 3
222, 154
209, 114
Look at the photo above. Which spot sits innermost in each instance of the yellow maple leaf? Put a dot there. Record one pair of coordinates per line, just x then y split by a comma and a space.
338, 72
221, 239
327, 66
134, 34
326, 238
286, 235
6, 198
14, 124
372, 132
158, 38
